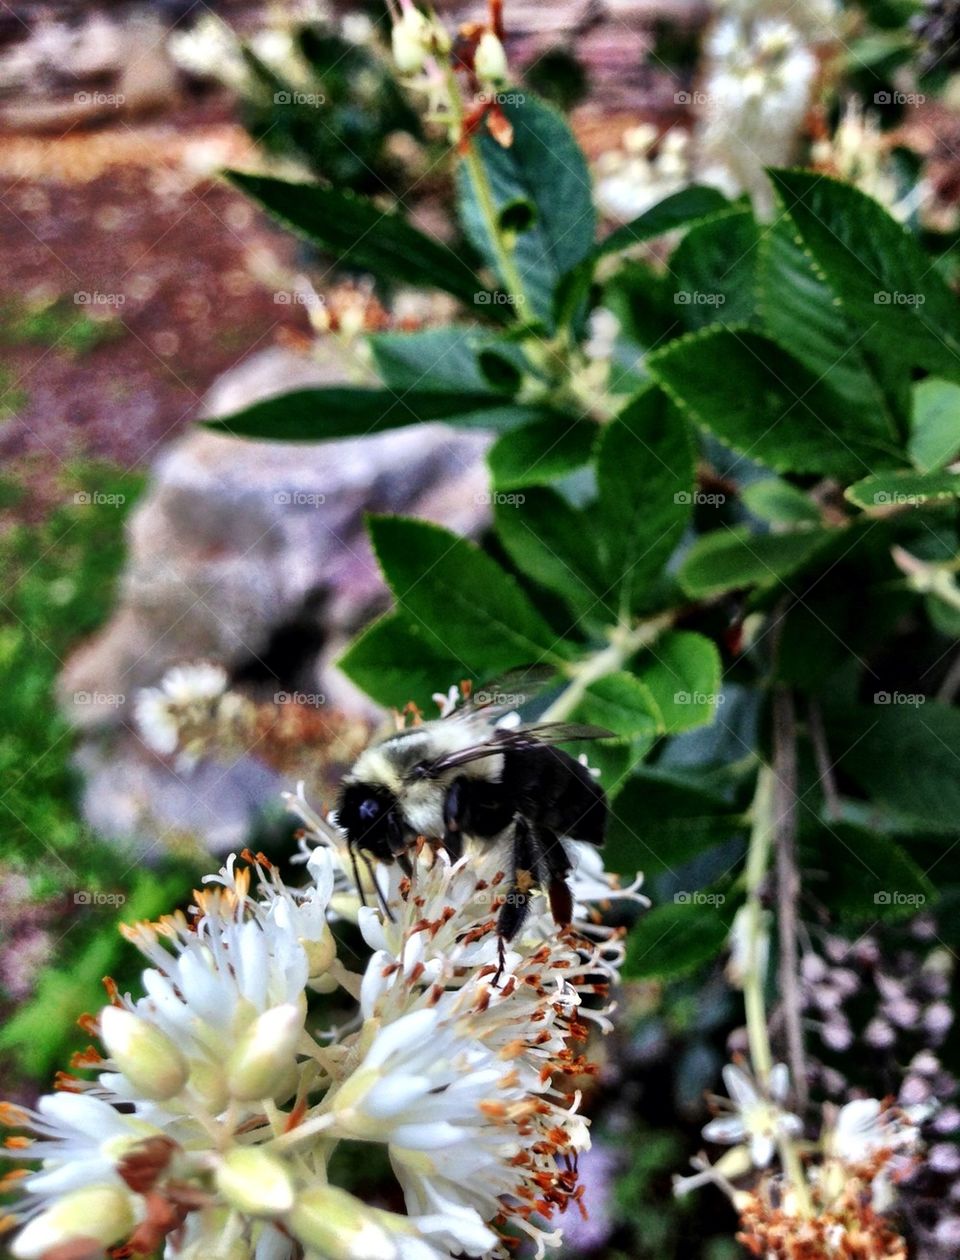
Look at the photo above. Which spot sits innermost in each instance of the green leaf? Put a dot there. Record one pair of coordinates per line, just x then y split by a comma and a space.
680, 209
883, 278
338, 411
903, 751
545, 169
661, 821
935, 429
682, 672
906, 488
461, 600
863, 874
757, 399
445, 360
802, 310
554, 544
777, 501
541, 452
361, 235
674, 939
393, 662
621, 703
714, 270
730, 558
645, 478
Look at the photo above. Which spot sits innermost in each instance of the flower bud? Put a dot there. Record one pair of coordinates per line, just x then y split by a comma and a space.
409, 40
337, 1225
100, 1214
254, 1181
261, 1060
490, 60
143, 1053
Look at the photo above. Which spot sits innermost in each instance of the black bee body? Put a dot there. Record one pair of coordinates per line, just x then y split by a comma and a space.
455, 781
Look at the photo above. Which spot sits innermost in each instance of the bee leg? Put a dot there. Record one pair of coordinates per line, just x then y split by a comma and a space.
454, 816
557, 861
527, 871
376, 884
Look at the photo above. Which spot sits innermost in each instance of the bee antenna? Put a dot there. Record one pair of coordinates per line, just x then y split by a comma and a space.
356, 874
376, 884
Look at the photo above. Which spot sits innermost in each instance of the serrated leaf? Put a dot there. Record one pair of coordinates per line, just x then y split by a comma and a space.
445, 360
680, 209
343, 411
393, 662
541, 452
803, 310
935, 424
674, 939
359, 234
460, 599
730, 558
714, 270
863, 874
682, 671
904, 751
882, 276
777, 501
554, 544
645, 477
904, 489
757, 399
544, 168
661, 821
621, 703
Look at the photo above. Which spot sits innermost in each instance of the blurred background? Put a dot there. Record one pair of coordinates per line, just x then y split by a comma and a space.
143, 292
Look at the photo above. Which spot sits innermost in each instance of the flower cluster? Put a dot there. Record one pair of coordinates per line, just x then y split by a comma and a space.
216, 1104
194, 714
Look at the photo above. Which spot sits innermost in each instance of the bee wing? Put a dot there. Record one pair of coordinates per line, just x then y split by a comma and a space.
507, 691
517, 739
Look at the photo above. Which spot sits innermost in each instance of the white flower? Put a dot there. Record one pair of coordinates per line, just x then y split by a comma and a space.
757, 1117
160, 712
232, 1104
865, 1127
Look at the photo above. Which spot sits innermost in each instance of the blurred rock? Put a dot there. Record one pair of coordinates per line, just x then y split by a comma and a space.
254, 554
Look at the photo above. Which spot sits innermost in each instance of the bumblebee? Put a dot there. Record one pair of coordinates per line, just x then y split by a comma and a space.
463, 780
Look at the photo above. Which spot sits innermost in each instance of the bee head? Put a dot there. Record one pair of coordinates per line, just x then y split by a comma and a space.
370, 816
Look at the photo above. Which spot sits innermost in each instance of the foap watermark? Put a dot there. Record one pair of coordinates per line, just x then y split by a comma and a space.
312, 699
297, 297
884, 297
98, 498
712, 698
893, 897
897, 498
113, 99
898, 98
300, 498
502, 699
84, 297
500, 98
907, 699
699, 898
487, 297
93, 897
499, 498
100, 699
694, 297
700, 497
314, 99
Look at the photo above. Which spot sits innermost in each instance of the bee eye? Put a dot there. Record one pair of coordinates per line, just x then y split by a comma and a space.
369, 809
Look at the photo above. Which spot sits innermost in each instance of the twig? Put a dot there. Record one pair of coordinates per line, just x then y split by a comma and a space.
788, 881
821, 753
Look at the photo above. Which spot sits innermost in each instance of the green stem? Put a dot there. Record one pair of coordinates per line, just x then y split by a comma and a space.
625, 641
763, 811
